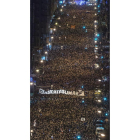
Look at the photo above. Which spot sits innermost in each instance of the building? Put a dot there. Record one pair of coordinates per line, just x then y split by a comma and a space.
41, 12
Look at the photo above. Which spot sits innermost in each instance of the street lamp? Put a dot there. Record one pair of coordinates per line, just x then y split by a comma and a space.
99, 111
54, 29
37, 70
31, 83
99, 100
103, 135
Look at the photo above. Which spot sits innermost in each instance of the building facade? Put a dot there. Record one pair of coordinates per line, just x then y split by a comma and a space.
41, 12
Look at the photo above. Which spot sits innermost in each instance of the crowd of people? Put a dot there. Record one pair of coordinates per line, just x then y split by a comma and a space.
73, 65
70, 67
61, 118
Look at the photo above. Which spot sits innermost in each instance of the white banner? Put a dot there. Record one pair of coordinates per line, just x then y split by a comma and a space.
78, 93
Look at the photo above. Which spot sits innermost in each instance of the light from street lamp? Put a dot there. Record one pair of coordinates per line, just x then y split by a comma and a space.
31, 83
99, 111
102, 135
37, 70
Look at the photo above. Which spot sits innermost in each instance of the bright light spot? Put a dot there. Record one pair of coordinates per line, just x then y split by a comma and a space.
46, 52
95, 26
41, 61
78, 137
96, 65
95, 14
96, 56
54, 29
95, 39
49, 44
102, 57
31, 83
59, 18
43, 58
99, 90
99, 111
99, 100
56, 23
52, 37
105, 98
99, 80
37, 70
61, 10
106, 114
102, 135
83, 101
84, 27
